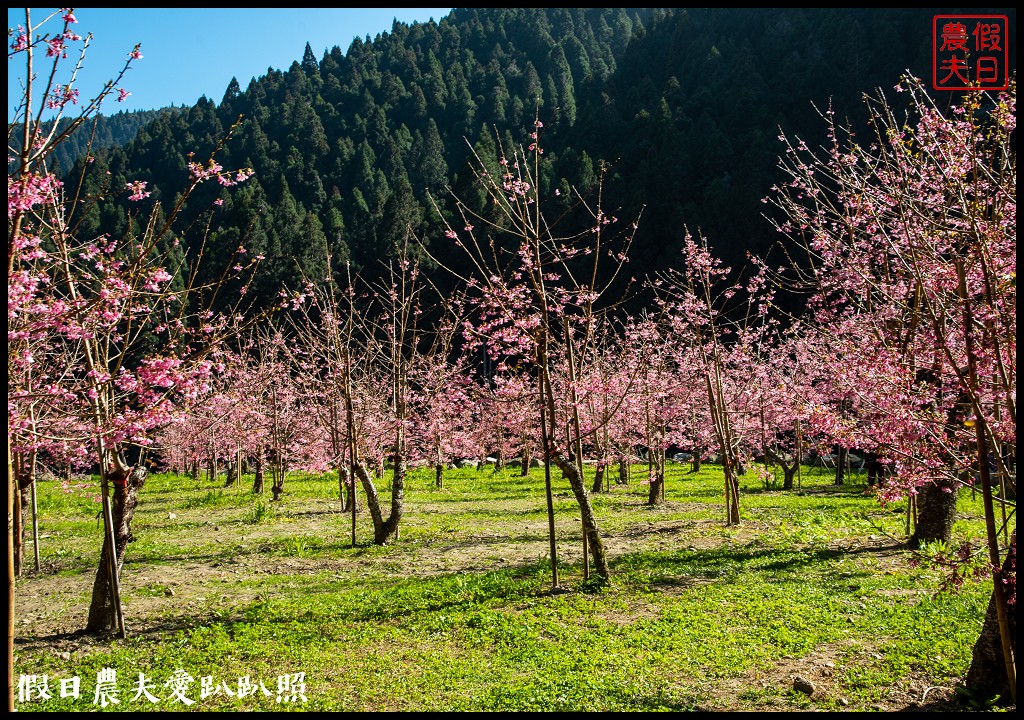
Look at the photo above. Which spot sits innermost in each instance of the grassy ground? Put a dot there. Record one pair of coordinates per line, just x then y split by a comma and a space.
232, 590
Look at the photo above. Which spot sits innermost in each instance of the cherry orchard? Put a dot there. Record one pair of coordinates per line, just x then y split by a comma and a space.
906, 351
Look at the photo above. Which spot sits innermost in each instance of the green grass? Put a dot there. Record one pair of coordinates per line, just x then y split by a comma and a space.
458, 615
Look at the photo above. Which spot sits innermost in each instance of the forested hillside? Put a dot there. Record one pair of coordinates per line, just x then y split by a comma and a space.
106, 131
682, 106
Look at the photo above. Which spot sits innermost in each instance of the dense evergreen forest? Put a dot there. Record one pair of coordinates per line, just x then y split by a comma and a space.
679, 109
106, 132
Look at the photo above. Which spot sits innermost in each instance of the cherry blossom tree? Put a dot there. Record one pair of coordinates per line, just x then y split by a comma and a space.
607, 384
83, 312
695, 307
909, 242
532, 285
363, 348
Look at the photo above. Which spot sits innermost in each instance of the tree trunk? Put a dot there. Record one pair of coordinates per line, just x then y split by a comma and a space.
788, 469
277, 489
390, 529
842, 456
384, 530
257, 483
732, 490
598, 478
527, 459
24, 506
126, 486
874, 469
936, 513
439, 475
695, 460
590, 529
623, 470
987, 675
22, 501
788, 473
346, 488
654, 491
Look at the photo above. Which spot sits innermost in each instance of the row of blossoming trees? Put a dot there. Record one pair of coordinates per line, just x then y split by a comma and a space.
904, 349
902, 258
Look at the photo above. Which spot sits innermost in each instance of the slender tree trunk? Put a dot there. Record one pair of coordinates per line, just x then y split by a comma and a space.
25, 471
25, 485
799, 455
546, 441
384, 529
277, 489
125, 497
590, 528
346, 488
656, 490
842, 459
438, 463
232, 475
732, 491
17, 515
35, 523
598, 477
874, 469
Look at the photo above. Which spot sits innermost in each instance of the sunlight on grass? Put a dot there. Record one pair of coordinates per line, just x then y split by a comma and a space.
458, 614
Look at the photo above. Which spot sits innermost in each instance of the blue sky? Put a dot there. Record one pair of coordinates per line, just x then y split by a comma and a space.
191, 52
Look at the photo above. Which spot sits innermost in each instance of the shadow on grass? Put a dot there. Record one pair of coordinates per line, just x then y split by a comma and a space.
854, 489
684, 567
